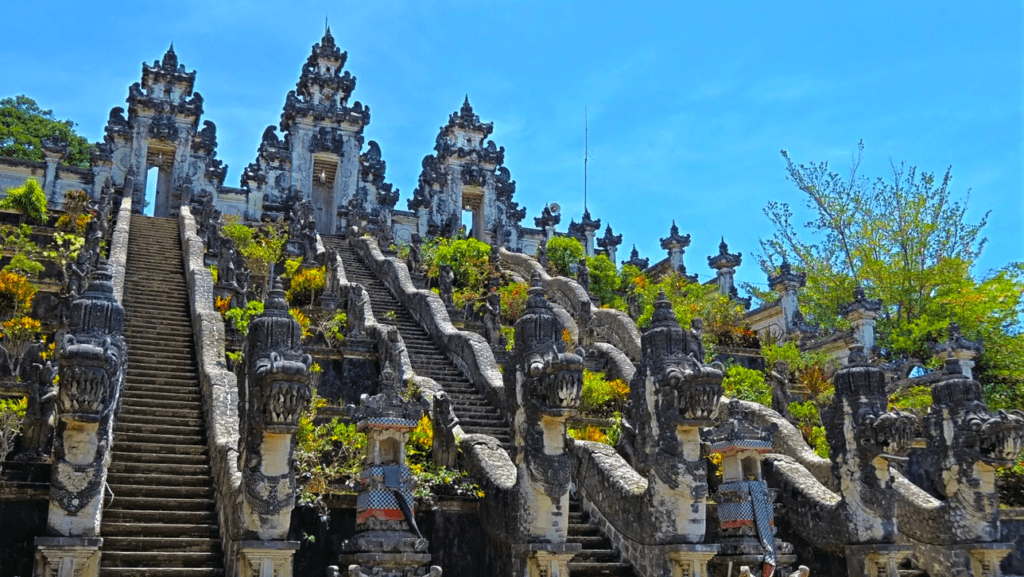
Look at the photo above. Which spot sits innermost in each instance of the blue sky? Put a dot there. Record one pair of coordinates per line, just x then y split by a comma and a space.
688, 103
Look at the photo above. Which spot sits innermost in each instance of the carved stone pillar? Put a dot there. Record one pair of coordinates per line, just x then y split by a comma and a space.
862, 313
277, 389
91, 379
986, 557
691, 560
266, 558
67, 557
543, 559
875, 560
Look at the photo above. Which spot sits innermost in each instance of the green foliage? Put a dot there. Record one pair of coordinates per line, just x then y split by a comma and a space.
291, 265
510, 337
601, 396
260, 247
513, 301
306, 285
689, 301
809, 423
25, 266
912, 399
64, 250
326, 453
303, 320
906, 239
29, 199
747, 385
334, 328
469, 259
564, 252
12, 415
604, 279
240, 317
23, 125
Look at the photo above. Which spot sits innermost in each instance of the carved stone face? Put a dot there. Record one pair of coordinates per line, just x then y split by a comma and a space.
88, 379
877, 432
994, 439
555, 383
688, 393
282, 392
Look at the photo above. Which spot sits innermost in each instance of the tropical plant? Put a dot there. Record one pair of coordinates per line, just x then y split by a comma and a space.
241, 317
303, 320
16, 293
513, 301
12, 415
306, 285
29, 199
564, 252
76, 216
746, 385
604, 279
602, 396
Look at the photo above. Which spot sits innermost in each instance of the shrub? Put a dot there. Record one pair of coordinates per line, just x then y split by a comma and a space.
29, 199
16, 293
333, 329
12, 414
17, 333
747, 385
421, 441
513, 301
301, 318
25, 266
222, 304
563, 252
306, 285
601, 396
469, 259
604, 280
325, 453
914, 399
240, 317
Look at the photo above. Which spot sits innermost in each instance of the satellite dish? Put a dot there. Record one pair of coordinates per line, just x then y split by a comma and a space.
555, 208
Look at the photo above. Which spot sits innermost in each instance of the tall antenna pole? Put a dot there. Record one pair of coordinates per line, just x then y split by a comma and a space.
586, 154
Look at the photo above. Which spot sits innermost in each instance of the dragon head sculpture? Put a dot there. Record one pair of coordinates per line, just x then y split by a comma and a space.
672, 391
91, 354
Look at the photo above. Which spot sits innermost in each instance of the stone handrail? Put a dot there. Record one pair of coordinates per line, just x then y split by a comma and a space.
118, 256
609, 325
219, 388
617, 498
468, 350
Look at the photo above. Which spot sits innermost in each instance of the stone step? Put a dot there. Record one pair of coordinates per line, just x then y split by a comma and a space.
583, 529
161, 491
160, 530
131, 392
159, 516
129, 458
144, 403
156, 429
156, 372
160, 480
160, 504
158, 469
144, 419
133, 446
177, 440
173, 386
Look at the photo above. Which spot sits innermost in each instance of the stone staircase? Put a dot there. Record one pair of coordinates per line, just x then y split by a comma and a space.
475, 413
598, 556
161, 521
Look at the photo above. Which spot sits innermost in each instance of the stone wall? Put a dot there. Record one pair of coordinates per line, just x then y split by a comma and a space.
609, 325
469, 350
219, 388
14, 172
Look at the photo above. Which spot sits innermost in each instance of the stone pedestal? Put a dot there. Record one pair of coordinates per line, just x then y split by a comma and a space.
691, 560
875, 560
67, 557
543, 559
986, 557
266, 558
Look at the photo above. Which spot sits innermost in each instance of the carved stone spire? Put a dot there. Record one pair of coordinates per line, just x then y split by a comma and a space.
635, 260
725, 264
610, 242
584, 231
676, 244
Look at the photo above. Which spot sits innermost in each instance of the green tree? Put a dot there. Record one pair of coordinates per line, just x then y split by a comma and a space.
604, 279
23, 125
905, 238
564, 252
